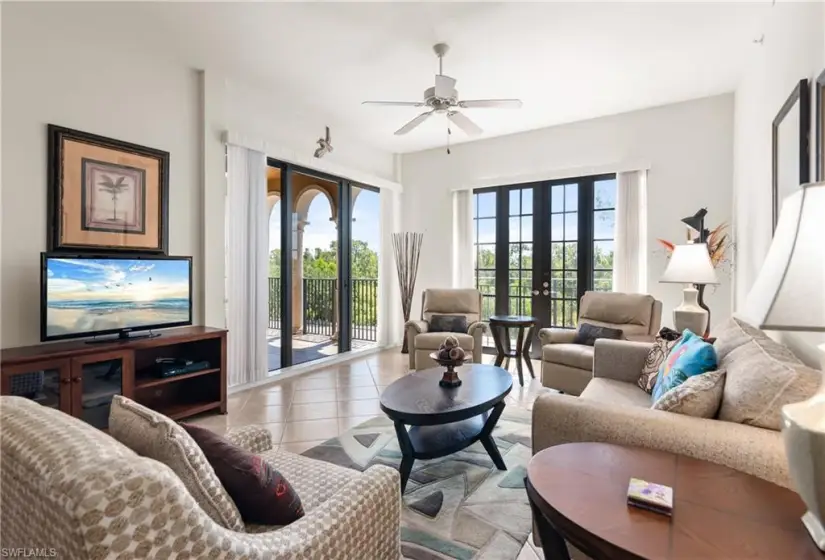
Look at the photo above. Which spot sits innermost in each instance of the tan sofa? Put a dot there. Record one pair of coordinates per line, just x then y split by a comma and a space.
613, 409
421, 342
568, 367
71, 487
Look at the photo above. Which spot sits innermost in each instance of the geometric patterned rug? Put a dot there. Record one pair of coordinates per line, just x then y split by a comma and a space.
459, 506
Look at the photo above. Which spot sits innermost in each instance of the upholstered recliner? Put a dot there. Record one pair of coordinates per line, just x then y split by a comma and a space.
568, 367
421, 342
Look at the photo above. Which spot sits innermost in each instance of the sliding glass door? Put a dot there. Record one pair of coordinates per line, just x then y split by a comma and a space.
540, 246
311, 254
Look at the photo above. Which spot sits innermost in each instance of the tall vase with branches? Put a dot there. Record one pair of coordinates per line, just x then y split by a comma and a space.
407, 249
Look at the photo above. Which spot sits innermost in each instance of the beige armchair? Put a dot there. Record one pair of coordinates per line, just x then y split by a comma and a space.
568, 367
421, 342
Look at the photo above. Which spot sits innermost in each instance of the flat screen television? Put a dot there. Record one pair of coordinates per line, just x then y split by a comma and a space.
84, 295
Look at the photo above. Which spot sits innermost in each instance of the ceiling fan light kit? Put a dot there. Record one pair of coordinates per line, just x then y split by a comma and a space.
443, 98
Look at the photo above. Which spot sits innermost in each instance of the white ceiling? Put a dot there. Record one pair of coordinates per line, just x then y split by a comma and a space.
566, 61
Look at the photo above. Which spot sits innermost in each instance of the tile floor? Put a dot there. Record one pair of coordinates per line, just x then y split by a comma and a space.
304, 411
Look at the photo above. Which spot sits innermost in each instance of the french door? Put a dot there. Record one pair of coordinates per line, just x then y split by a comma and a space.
540, 246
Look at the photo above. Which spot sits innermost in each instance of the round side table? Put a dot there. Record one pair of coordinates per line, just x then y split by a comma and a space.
500, 326
578, 492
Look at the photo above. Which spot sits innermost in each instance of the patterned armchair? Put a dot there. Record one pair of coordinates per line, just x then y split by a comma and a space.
421, 342
68, 486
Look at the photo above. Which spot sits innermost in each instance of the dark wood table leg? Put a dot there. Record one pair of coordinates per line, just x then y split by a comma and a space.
525, 351
498, 333
407, 454
486, 436
552, 543
518, 355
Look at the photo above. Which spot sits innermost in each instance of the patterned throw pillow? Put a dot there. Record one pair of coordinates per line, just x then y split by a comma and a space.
262, 494
449, 323
691, 356
662, 345
699, 396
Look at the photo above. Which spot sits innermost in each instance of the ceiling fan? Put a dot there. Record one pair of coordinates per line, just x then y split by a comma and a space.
443, 98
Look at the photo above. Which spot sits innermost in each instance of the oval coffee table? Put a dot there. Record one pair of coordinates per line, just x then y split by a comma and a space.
578, 492
443, 420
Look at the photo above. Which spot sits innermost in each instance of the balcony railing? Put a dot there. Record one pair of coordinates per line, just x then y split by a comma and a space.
321, 302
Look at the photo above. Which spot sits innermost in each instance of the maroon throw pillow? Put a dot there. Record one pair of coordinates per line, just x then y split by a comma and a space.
262, 495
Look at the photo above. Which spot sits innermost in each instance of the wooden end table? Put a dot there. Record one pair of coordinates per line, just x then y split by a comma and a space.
500, 326
446, 420
578, 492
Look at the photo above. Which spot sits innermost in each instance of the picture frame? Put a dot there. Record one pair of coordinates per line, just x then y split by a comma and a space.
790, 150
106, 194
819, 126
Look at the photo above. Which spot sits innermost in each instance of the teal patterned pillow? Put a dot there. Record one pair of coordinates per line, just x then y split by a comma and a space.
691, 356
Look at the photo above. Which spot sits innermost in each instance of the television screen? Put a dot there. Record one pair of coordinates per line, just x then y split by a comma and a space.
84, 296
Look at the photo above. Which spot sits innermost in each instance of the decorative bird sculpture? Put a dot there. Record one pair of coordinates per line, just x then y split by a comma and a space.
324, 146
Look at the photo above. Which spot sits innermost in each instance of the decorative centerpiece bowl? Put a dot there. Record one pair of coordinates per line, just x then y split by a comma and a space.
450, 355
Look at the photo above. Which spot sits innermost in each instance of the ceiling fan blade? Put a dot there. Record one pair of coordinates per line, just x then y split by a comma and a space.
413, 123
444, 86
491, 103
464, 123
395, 103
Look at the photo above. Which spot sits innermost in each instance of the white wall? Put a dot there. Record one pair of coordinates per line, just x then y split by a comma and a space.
793, 49
57, 67
52, 75
688, 147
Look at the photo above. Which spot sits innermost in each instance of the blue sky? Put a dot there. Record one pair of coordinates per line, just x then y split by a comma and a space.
321, 231
120, 279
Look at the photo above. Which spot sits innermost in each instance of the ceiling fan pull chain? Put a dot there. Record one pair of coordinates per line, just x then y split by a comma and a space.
449, 133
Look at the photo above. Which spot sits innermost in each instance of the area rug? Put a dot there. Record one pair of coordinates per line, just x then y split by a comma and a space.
459, 506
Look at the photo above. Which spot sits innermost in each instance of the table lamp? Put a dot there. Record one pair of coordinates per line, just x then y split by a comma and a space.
789, 295
690, 264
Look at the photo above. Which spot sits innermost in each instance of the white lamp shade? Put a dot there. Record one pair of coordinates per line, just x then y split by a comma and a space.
690, 264
789, 293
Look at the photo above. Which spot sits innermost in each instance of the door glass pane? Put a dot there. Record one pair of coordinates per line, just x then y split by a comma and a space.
527, 201
486, 230
603, 255
514, 285
526, 283
101, 381
571, 226
515, 255
527, 228
486, 256
43, 386
604, 195
604, 224
571, 313
557, 284
486, 281
603, 280
571, 198
570, 285
571, 256
486, 206
527, 256
366, 235
557, 227
557, 198
515, 230
515, 202
273, 328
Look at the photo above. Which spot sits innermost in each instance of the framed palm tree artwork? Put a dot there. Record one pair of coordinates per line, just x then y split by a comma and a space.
106, 194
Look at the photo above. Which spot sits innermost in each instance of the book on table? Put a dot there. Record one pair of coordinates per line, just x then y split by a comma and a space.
650, 496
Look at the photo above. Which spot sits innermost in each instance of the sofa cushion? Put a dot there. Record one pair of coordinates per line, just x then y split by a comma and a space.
433, 340
262, 494
153, 435
735, 333
690, 356
572, 355
699, 396
615, 392
762, 377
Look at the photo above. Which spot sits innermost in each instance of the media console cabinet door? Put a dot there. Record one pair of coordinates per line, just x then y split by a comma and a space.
47, 383
96, 379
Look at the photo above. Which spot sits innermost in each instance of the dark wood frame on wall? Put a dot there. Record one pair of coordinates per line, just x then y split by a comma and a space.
801, 95
819, 85
56, 136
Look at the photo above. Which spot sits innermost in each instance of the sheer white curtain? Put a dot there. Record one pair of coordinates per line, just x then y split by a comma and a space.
247, 244
630, 249
463, 274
